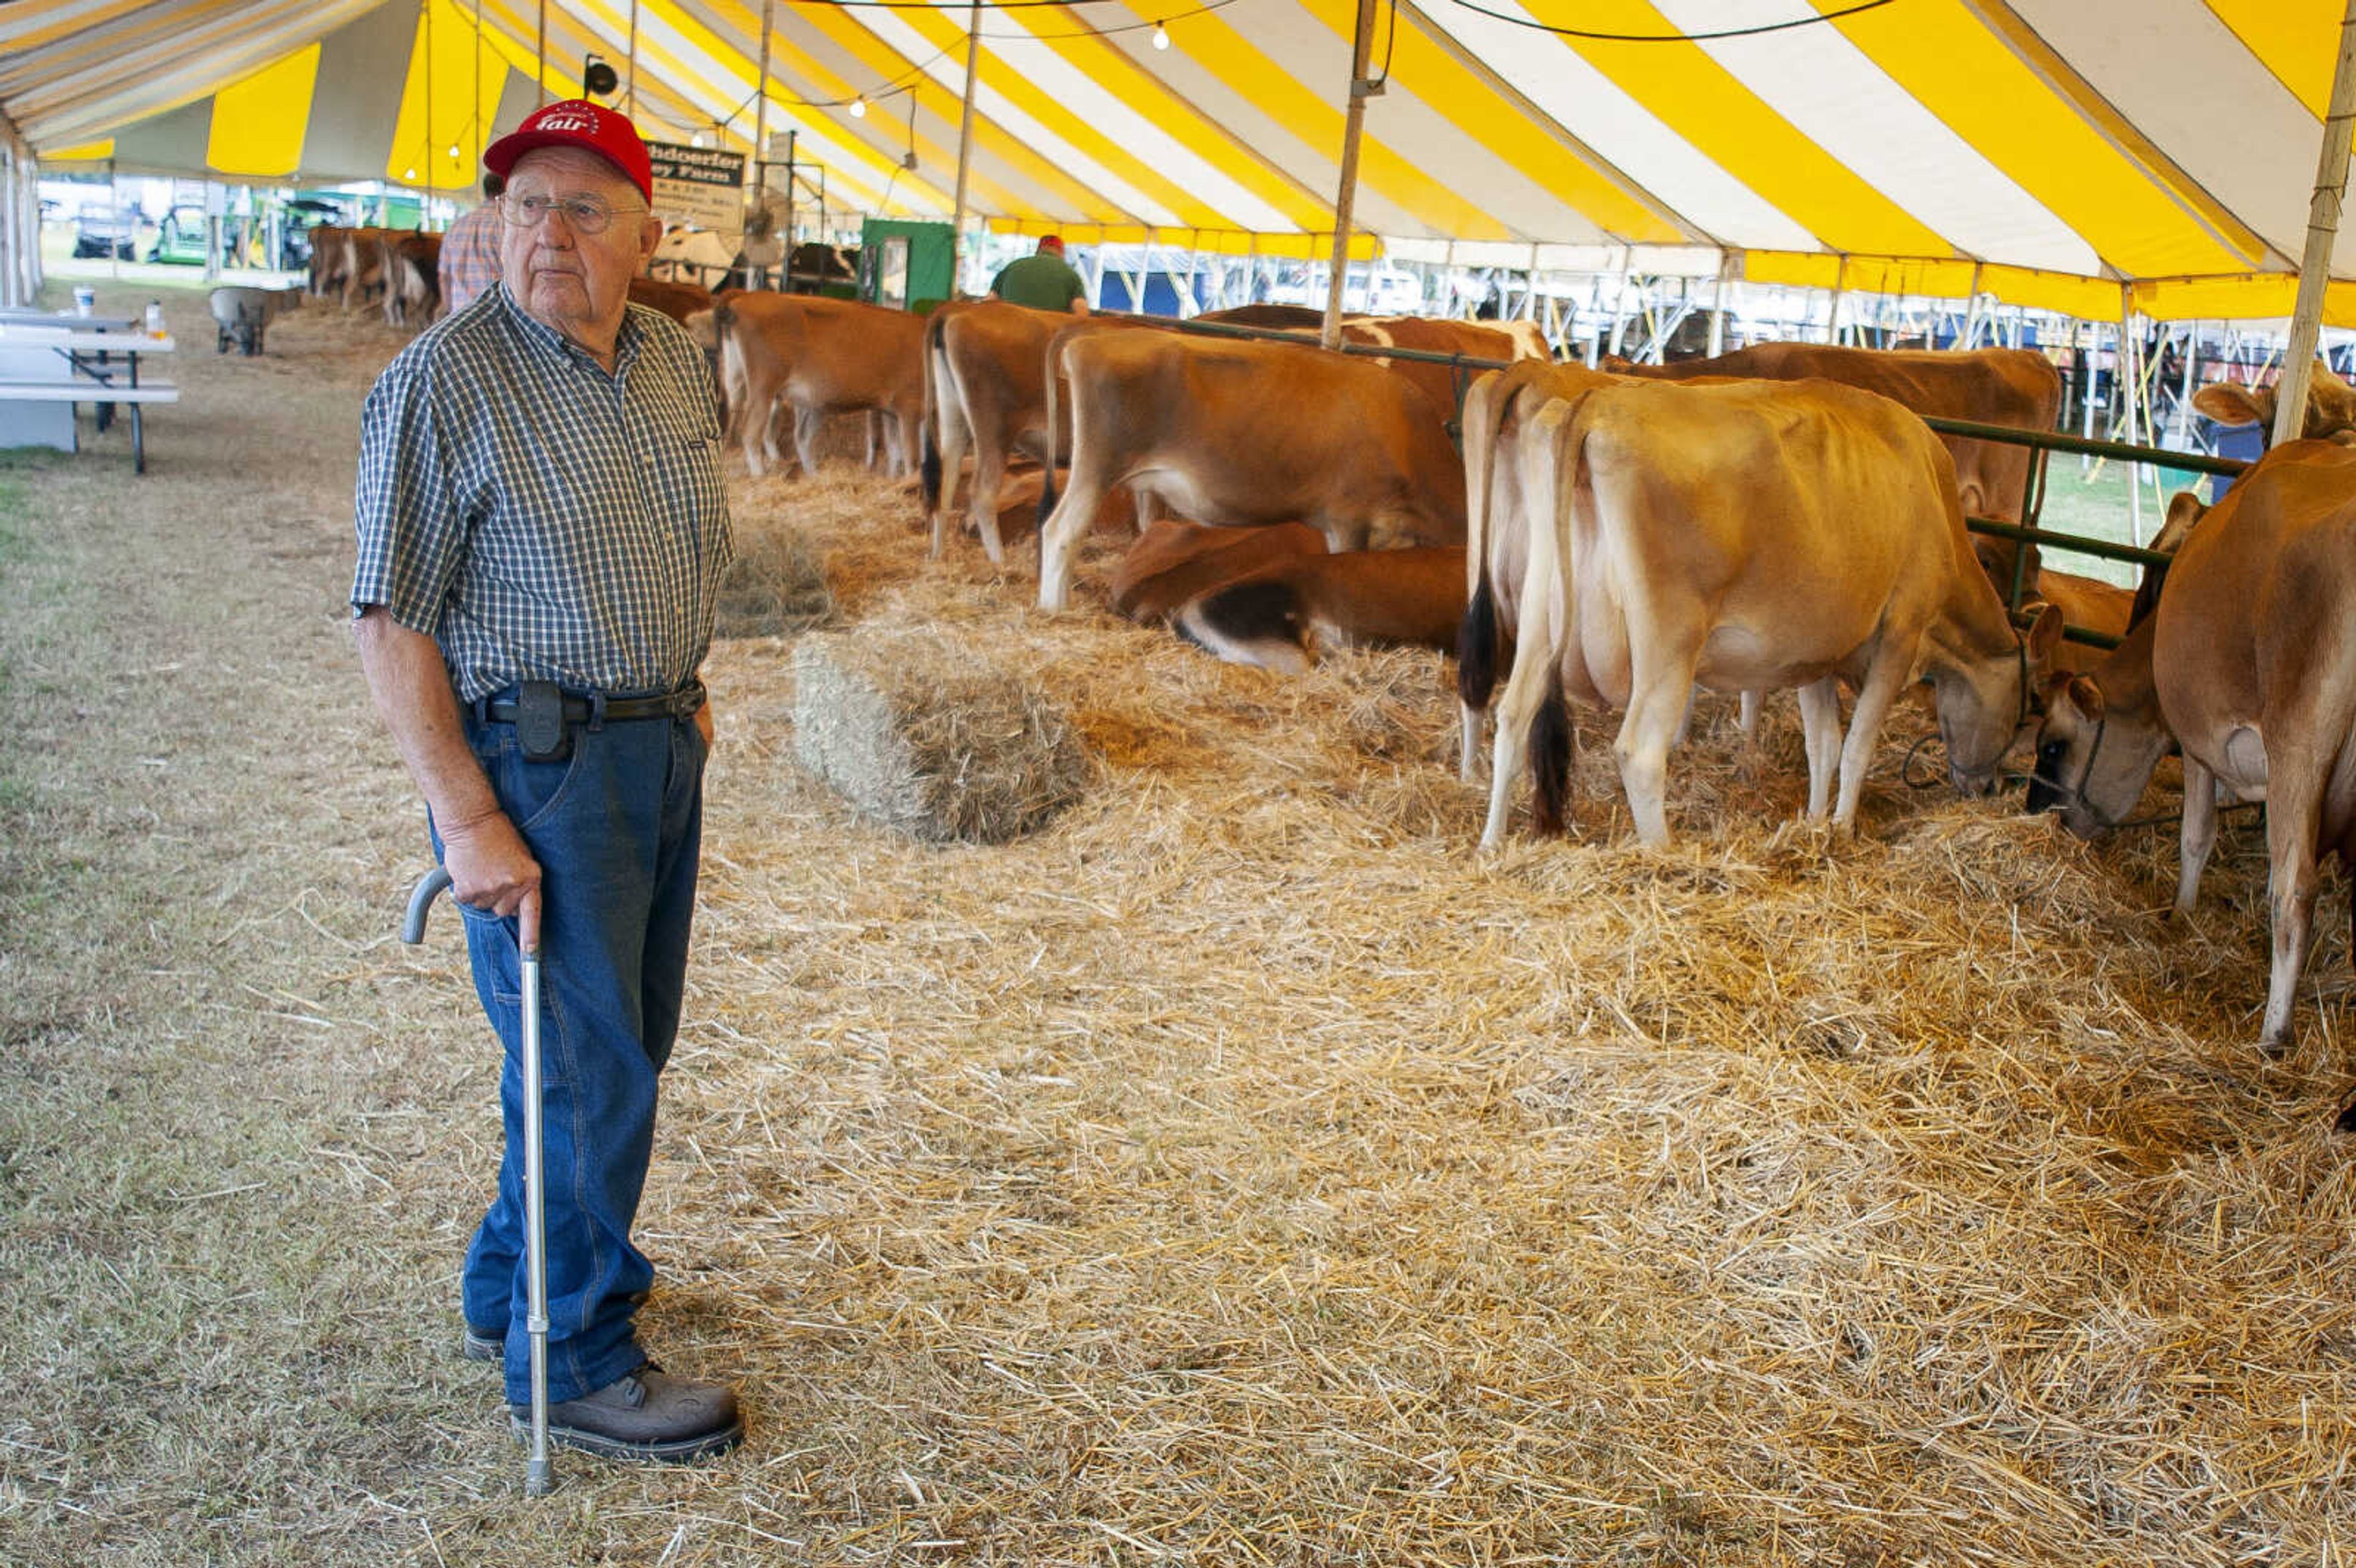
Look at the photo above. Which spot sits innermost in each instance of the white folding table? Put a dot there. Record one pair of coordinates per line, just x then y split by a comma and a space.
50, 363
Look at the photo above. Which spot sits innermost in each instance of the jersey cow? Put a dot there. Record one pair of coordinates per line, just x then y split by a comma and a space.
1752, 537
814, 357
2015, 387
2248, 665
1235, 434
984, 384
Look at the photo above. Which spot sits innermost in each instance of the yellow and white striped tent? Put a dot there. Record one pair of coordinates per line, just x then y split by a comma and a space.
2081, 155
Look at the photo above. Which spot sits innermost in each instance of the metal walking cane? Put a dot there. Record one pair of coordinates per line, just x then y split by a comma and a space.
536, 1481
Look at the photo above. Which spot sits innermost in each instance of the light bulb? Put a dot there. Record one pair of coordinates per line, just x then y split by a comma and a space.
859, 108
453, 149
411, 175
1160, 36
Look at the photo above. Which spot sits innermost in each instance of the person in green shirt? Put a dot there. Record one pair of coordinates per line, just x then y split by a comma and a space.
1044, 280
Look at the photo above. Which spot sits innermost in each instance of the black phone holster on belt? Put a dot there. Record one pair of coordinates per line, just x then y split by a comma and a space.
540, 729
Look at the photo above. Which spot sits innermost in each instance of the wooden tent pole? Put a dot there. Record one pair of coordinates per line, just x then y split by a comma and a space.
1345, 201
964, 146
540, 54
2322, 230
630, 63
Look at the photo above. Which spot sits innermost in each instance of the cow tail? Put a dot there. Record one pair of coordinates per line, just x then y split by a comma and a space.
1047, 469
1476, 632
1550, 747
928, 466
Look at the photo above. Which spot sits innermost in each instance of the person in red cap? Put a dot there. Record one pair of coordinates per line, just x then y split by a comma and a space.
542, 531
1044, 280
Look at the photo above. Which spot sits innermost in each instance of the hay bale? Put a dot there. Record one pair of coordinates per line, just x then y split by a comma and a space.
920, 733
776, 586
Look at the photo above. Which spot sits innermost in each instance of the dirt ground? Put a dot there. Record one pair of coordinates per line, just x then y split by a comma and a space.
1241, 1170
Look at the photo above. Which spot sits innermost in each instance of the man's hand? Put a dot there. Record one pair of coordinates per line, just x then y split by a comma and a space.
489, 866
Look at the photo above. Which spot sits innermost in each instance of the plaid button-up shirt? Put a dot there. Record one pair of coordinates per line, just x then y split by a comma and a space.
470, 256
540, 519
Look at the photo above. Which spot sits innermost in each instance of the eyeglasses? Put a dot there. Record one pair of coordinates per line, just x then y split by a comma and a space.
585, 214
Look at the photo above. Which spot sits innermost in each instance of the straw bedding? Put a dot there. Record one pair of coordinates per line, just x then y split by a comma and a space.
1244, 1169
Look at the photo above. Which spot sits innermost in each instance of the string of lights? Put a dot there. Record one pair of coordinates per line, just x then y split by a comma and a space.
1595, 36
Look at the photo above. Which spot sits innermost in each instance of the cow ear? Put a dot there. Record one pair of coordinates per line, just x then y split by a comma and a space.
2088, 698
2229, 404
2044, 636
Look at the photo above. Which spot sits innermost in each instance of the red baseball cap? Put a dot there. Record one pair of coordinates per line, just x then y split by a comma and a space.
1051, 242
577, 122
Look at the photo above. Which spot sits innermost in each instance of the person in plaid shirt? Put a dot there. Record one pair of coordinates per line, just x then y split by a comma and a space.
470, 251
542, 532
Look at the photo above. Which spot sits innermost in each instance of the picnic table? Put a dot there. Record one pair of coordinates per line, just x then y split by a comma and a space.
50, 363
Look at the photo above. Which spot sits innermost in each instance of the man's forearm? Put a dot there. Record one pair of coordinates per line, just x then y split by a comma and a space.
411, 684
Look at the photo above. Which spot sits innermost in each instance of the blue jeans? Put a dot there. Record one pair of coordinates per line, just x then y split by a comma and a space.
616, 827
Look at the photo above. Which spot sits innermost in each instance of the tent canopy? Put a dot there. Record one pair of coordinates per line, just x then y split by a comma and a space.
2082, 156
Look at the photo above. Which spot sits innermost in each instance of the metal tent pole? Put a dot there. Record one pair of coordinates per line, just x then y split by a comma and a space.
965, 145
630, 63
758, 277
2322, 230
1345, 201
2128, 373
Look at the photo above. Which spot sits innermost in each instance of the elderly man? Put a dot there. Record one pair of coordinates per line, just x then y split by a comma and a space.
541, 533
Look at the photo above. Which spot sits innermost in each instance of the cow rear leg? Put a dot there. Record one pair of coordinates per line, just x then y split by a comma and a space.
1516, 709
989, 483
1820, 728
807, 424
1075, 514
1658, 696
2291, 884
950, 435
2199, 832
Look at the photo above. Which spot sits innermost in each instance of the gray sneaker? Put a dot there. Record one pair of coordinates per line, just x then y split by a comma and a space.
644, 1414
476, 1346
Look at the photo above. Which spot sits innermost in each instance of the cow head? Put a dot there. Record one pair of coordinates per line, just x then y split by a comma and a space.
2092, 759
1985, 703
2331, 405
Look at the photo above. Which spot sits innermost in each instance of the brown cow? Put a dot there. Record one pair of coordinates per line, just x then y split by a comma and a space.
331, 257
1752, 537
1239, 433
2249, 666
411, 267
1175, 561
1279, 615
2015, 387
677, 301
815, 357
363, 273
2331, 404
984, 382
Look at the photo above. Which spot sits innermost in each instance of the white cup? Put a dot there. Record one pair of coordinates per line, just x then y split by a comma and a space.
85, 299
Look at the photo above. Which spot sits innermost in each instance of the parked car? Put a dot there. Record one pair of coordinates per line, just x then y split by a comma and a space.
99, 229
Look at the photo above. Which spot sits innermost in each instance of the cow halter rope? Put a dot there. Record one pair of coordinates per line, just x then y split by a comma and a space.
536, 1476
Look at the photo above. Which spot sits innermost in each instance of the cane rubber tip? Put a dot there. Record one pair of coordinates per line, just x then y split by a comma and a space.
537, 1482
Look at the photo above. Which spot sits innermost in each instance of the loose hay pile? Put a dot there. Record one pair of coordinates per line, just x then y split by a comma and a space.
919, 734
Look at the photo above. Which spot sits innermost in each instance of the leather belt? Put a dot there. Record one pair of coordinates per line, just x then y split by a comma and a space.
680, 704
